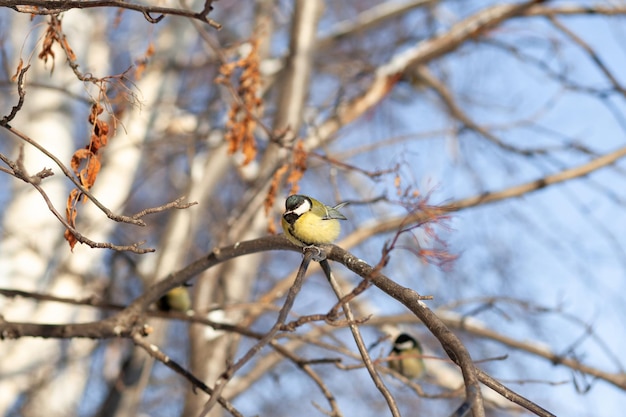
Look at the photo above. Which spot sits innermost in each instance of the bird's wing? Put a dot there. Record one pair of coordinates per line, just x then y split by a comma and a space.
334, 213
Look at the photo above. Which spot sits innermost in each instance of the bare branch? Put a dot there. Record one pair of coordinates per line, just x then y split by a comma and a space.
19, 171
387, 75
221, 382
156, 353
51, 7
129, 321
368, 19
76, 182
455, 110
21, 93
617, 379
590, 52
450, 343
512, 396
176, 204
489, 197
575, 9
358, 339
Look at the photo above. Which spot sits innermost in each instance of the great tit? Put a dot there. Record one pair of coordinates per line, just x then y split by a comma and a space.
176, 299
410, 364
307, 221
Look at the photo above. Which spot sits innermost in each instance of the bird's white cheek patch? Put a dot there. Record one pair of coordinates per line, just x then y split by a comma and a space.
404, 346
302, 208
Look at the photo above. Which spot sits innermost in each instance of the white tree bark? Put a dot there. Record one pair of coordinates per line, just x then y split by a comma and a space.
28, 251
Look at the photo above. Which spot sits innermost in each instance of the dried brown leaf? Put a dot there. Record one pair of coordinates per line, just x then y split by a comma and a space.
71, 239
77, 158
20, 65
89, 174
46, 46
298, 167
243, 114
277, 179
70, 215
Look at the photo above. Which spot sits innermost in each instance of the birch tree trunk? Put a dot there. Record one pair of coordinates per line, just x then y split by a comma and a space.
30, 255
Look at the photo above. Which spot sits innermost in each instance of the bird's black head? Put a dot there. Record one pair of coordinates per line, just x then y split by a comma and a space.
404, 342
295, 206
293, 202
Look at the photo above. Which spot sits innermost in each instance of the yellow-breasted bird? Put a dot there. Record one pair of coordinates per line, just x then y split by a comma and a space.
176, 299
409, 352
307, 221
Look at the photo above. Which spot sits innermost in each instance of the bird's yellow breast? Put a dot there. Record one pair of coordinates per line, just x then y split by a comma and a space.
311, 229
410, 367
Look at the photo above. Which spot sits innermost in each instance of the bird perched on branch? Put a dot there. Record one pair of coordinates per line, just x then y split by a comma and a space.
408, 357
308, 222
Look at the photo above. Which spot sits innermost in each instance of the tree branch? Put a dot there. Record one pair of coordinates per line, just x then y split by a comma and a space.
130, 321
358, 339
395, 223
47, 7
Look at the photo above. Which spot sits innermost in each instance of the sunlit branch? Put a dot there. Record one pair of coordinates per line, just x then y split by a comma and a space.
388, 74
393, 224
476, 328
369, 19
575, 9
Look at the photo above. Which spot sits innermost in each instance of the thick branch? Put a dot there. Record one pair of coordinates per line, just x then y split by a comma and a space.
387, 75
130, 321
451, 344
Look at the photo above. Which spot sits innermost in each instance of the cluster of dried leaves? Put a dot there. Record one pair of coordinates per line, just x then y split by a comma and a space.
54, 34
86, 164
295, 170
246, 109
248, 105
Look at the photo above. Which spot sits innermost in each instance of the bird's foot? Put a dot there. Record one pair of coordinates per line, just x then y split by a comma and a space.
319, 255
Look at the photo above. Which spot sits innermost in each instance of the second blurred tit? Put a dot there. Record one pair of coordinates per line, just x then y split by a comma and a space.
307, 221
409, 360
176, 299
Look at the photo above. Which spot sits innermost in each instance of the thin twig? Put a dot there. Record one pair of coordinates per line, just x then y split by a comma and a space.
221, 382
19, 171
66, 171
305, 366
327, 318
590, 52
449, 341
358, 339
20, 102
156, 353
176, 204
512, 396
457, 112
